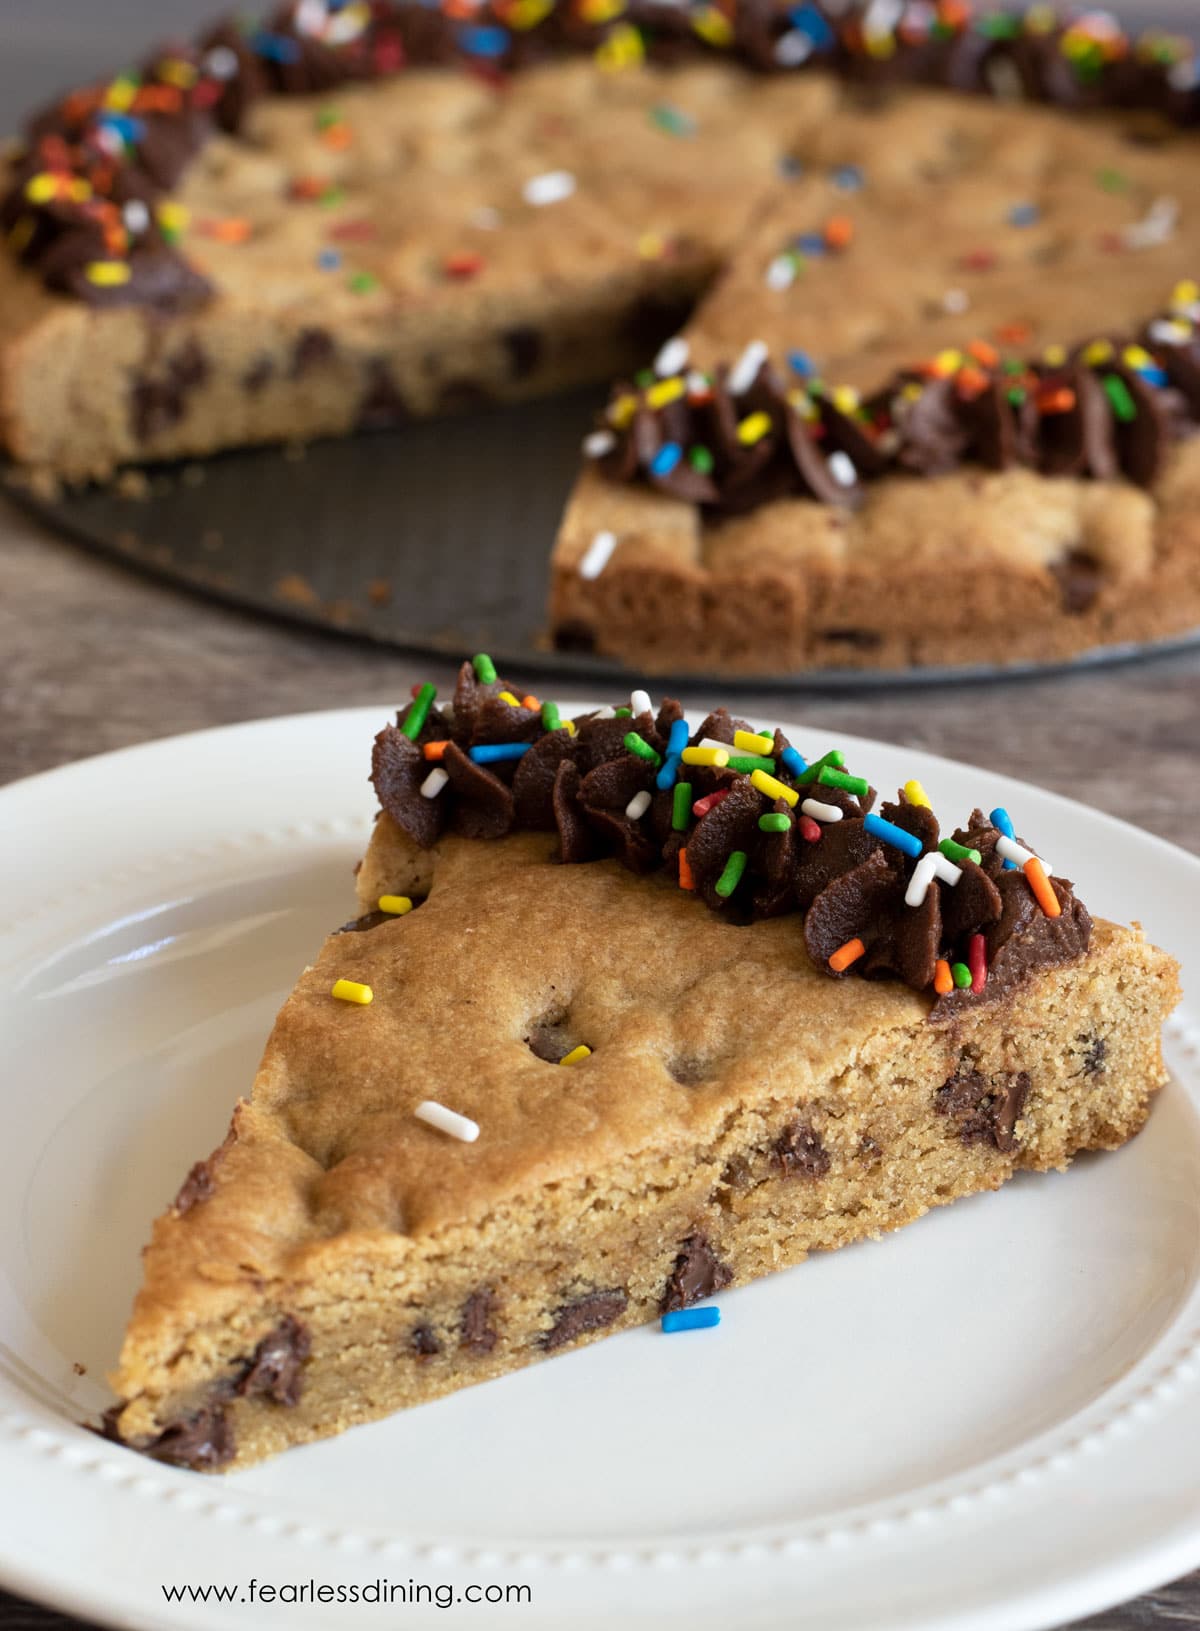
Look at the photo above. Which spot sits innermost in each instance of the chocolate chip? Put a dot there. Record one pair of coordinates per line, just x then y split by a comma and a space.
698, 1273
423, 1342
477, 1333
382, 404
258, 376
686, 1069
313, 347
156, 404
1079, 579
201, 1441
860, 639
800, 1152
1095, 1055
524, 347
548, 1038
360, 925
196, 1187
276, 1368
588, 1313
987, 1109
868, 1149
574, 635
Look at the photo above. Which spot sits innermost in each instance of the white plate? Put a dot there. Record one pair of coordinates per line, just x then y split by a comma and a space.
989, 1420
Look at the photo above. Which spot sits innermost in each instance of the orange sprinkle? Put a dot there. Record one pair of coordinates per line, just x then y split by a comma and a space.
157, 99
464, 264
971, 382
686, 880
233, 229
339, 137
1014, 333
943, 980
847, 954
435, 750
983, 353
954, 13
1060, 401
531, 702
839, 231
1040, 884
306, 187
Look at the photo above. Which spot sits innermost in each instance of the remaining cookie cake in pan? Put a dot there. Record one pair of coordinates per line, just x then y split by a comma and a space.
632, 1013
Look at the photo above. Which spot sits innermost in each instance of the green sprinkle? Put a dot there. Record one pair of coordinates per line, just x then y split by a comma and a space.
485, 668
961, 975
744, 763
812, 774
1000, 26
732, 875
414, 719
363, 283
332, 197
644, 377
1016, 395
1117, 392
327, 117
673, 120
681, 806
551, 718
637, 744
959, 852
622, 713
774, 823
839, 778
1112, 181
701, 459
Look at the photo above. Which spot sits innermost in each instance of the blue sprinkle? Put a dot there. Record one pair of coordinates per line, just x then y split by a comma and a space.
789, 165
482, 41
668, 773
807, 18
329, 260
665, 460
848, 178
891, 834
130, 130
810, 243
1024, 215
691, 1319
1002, 821
491, 753
1153, 376
801, 363
794, 763
276, 47
677, 739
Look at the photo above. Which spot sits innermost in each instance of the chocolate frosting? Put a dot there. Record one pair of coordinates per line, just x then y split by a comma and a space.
581, 779
104, 146
1111, 409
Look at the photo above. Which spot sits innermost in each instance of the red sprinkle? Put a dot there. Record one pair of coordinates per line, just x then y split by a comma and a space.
979, 260
710, 802
353, 231
809, 828
977, 962
462, 265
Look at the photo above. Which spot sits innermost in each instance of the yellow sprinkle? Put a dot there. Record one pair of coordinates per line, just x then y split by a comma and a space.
40, 189
880, 46
395, 905
120, 95
175, 71
651, 246
770, 787
948, 362
1137, 357
569, 726
601, 11
753, 428
576, 1054
622, 49
1040, 20
1055, 355
79, 190
916, 794
1186, 293
803, 404
352, 991
507, 696
1098, 351
705, 756
712, 25
528, 13
667, 390
622, 411
912, 392
748, 742
174, 217
845, 399
107, 274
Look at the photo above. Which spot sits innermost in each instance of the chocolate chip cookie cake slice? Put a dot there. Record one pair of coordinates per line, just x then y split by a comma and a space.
631, 1013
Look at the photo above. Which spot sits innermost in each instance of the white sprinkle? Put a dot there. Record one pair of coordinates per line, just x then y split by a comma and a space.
485, 218
434, 782
221, 62
638, 805
793, 48
640, 702
1157, 226
1165, 332
933, 864
447, 711
955, 301
781, 273
712, 742
841, 468
599, 443
673, 357
698, 383
599, 553
821, 812
135, 215
447, 1121
605, 713
1185, 74
745, 370
1012, 851
310, 17
344, 27
550, 188
881, 18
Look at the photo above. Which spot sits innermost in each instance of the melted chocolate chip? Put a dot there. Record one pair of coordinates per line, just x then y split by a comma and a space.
1079, 580
986, 1109
200, 1441
362, 925
477, 1333
276, 1368
524, 347
800, 1152
590, 1313
258, 376
423, 1342
313, 347
1095, 1054
381, 404
698, 1273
